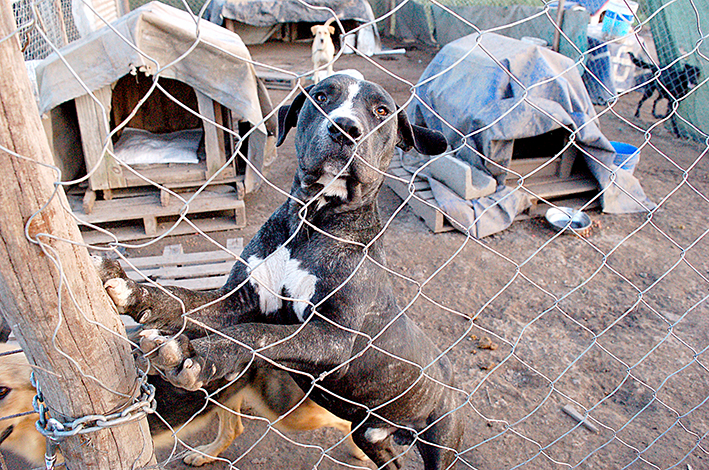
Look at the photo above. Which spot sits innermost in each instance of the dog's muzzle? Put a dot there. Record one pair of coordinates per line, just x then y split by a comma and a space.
344, 130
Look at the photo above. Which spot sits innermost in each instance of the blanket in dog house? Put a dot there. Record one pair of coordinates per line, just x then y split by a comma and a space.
467, 90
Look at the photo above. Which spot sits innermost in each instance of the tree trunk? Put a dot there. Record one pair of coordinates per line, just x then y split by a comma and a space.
51, 294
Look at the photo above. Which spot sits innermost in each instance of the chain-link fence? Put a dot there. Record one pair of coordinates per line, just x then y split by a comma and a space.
545, 282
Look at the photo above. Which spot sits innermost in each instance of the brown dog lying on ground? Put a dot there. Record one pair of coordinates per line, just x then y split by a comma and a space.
269, 394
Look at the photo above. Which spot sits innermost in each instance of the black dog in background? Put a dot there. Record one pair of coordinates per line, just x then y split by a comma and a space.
672, 84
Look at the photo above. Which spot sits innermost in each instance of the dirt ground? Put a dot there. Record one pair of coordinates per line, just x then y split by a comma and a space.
617, 322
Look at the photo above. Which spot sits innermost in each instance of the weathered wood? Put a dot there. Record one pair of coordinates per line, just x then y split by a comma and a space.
101, 375
567, 162
422, 203
175, 175
94, 124
137, 232
459, 177
206, 270
529, 168
549, 187
213, 137
277, 80
89, 200
135, 208
164, 198
150, 224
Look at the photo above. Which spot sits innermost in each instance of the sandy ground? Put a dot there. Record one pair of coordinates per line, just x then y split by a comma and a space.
617, 322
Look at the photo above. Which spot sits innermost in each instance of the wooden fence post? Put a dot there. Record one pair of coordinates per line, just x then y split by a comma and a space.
52, 297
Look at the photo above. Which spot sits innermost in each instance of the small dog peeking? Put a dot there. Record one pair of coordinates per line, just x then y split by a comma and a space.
323, 50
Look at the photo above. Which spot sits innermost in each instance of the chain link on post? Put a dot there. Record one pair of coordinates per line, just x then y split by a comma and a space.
54, 430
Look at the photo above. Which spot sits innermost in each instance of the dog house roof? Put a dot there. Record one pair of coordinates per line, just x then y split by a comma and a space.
155, 38
271, 12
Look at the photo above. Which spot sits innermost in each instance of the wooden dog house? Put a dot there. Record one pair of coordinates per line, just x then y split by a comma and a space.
209, 92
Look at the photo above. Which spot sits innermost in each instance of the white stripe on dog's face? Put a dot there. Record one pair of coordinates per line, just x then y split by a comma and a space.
346, 108
279, 272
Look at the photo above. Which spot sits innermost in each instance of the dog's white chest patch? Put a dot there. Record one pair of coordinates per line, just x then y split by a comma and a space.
278, 272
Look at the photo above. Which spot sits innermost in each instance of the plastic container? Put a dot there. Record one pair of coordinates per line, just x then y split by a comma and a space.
626, 156
617, 20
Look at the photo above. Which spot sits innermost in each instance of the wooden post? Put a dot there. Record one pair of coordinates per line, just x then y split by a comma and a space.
559, 22
52, 298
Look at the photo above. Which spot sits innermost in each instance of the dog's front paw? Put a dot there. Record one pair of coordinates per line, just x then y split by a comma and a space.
108, 268
177, 359
124, 292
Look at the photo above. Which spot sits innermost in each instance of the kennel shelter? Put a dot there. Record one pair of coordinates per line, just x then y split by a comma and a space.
518, 118
258, 20
160, 99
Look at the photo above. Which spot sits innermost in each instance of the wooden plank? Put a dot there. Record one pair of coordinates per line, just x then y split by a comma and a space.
567, 162
175, 175
433, 218
150, 224
276, 80
525, 167
138, 207
136, 232
213, 143
93, 126
551, 189
183, 272
88, 202
189, 270
461, 178
153, 264
214, 282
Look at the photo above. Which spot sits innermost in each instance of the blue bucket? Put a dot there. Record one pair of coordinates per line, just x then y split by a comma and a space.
626, 156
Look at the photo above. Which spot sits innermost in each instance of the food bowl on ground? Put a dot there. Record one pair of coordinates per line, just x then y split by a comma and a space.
559, 218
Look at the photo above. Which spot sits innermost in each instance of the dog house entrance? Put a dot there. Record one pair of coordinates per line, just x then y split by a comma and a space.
549, 170
171, 137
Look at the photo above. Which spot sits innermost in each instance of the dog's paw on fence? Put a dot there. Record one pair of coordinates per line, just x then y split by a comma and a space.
177, 359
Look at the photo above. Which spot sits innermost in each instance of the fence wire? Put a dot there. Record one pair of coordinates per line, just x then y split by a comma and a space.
576, 347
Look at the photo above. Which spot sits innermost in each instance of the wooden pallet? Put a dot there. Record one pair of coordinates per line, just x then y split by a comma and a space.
148, 212
422, 202
573, 189
277, 80
196, 271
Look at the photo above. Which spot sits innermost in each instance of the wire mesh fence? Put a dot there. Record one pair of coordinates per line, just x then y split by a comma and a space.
576, 340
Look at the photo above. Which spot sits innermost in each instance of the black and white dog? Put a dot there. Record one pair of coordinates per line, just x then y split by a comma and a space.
311, 292
672, 84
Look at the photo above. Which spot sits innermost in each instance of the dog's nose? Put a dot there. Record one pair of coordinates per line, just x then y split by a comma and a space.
349, 126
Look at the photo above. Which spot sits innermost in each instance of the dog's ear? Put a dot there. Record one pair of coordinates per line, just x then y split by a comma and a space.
288, 116
425, 141
313, 29
331, 29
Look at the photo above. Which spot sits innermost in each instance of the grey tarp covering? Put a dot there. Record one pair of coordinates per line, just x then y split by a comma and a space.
271, 12
218, 66
474, 96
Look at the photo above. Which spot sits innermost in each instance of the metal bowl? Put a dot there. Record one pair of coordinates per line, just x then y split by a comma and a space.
559, 218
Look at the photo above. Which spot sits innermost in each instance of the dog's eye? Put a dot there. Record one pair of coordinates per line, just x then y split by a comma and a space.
320, 97
4, 391
382, 111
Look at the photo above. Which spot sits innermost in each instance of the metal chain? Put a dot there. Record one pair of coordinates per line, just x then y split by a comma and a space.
54, 430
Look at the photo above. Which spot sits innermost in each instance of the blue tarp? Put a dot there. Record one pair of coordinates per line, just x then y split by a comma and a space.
483, 92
